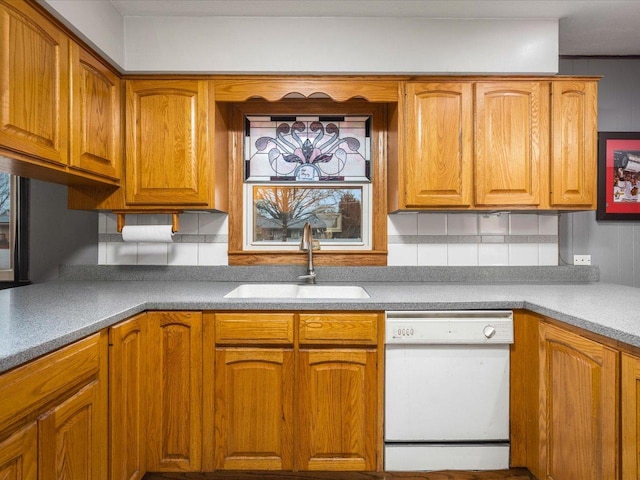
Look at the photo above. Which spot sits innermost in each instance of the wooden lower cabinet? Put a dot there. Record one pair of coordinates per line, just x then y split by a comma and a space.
337, 398
254, 409
630, 416
254, 383
579, 405
71, 438
19, 454
174, 391
297, 391
53, 420
293, 391
273, 404
128, 398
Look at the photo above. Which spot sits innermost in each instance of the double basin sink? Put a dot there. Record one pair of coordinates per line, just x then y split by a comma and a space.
289, 290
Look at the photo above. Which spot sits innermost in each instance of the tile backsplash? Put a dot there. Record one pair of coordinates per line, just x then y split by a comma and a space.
473, 239
202, 240
415, 239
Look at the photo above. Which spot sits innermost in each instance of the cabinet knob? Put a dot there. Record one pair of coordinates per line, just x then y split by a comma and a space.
489, 331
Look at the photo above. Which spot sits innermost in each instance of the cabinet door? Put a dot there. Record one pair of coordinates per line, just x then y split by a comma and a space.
167, 143
574, 156
34, 84
254, 409
18, 455
438, 166
128, 402
337, 408
511, 142
630, 416
579, 407
72, 438
174, 436
95, 118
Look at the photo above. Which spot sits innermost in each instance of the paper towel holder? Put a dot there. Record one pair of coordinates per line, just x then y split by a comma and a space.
175, 220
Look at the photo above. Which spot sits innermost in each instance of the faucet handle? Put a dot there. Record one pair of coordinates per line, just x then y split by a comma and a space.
309, 277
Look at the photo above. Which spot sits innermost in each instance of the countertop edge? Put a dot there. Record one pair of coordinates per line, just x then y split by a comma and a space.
33, 322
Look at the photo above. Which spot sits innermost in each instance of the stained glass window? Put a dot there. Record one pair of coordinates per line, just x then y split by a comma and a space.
307, 149
307, 168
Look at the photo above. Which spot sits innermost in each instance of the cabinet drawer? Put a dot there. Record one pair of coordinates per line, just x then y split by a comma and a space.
254, 328
31, 386
339, 328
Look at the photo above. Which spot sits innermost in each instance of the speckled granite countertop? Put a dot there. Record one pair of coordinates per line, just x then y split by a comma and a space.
38, 319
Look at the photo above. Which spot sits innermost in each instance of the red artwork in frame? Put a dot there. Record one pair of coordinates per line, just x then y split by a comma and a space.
618, 176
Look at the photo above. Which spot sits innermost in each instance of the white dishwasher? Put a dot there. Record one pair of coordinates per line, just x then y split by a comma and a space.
447, 390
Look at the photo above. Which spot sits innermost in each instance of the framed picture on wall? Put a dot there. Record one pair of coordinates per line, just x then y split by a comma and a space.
618, 176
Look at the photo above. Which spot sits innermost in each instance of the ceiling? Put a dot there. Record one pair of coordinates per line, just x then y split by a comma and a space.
587, 27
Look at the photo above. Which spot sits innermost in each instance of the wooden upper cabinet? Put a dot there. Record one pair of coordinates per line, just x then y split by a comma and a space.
273, 88
512, 119
167, 141
96, 138
34, 84
574, 130
579, 402
439, 147
497, 143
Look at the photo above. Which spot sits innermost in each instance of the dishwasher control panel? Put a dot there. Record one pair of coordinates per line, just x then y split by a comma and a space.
450, 327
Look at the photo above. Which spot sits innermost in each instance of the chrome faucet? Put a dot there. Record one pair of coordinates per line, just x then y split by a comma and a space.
306, 245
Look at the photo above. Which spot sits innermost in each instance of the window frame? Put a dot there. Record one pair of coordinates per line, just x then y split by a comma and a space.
363, 245
19, 273
377, 255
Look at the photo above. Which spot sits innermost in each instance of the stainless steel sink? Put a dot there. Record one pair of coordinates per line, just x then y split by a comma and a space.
288, 290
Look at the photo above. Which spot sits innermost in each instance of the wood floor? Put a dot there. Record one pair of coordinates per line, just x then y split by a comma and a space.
512, 474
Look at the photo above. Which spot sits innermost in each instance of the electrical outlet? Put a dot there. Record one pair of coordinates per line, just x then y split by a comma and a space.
582, 259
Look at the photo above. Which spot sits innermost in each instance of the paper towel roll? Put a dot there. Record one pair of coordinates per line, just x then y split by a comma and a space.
147, 233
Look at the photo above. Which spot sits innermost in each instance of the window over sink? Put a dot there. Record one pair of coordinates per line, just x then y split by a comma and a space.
315, 161
307, 169
339, 216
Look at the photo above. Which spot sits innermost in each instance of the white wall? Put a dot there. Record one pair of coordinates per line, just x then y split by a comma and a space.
57, 235
312, 45
340, 45
96, 21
